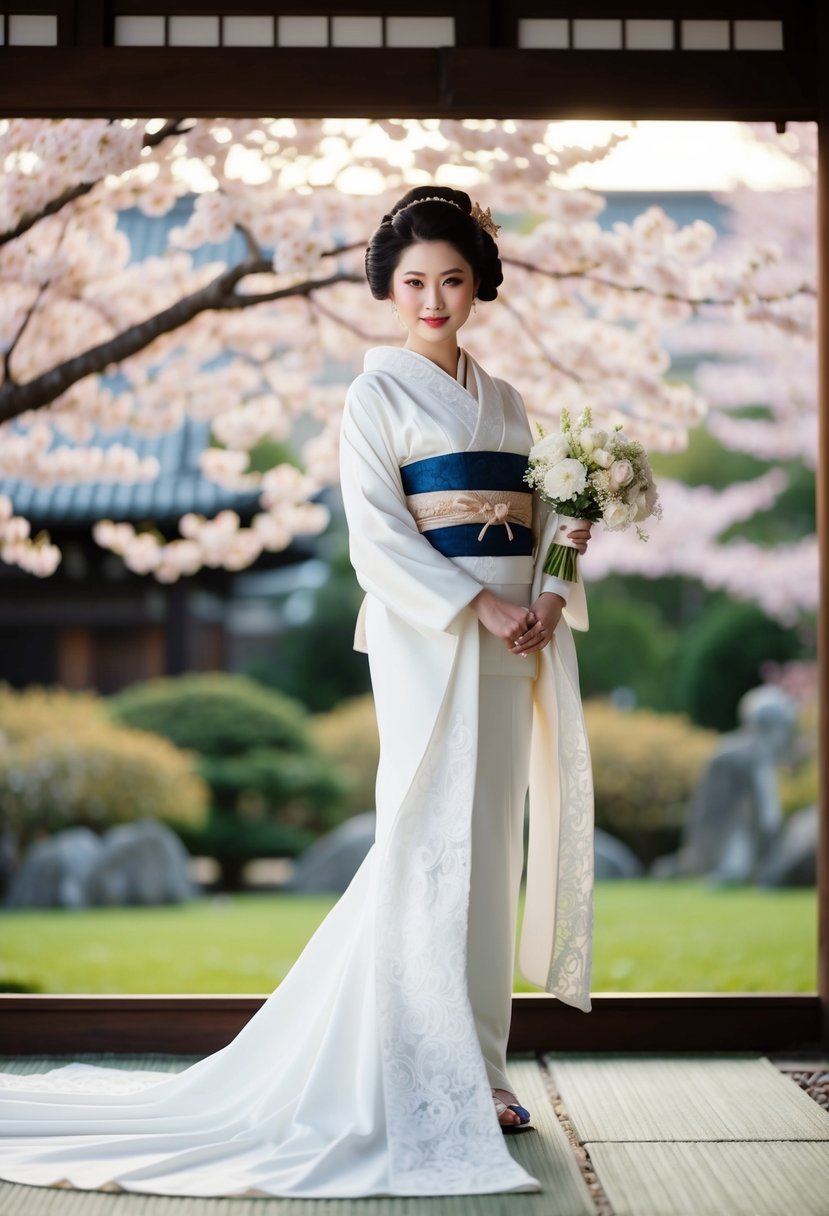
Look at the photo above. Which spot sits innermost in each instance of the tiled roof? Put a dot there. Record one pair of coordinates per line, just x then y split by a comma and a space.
179, 487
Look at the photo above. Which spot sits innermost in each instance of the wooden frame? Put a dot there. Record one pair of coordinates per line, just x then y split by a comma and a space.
483, 75
618, 1021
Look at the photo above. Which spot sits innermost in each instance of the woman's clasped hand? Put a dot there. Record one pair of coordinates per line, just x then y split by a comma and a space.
525, 630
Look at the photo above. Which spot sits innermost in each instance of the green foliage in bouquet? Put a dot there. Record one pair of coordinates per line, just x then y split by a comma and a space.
272, 790
64, 763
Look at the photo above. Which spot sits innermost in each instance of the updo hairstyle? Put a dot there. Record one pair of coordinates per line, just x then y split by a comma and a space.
432, 221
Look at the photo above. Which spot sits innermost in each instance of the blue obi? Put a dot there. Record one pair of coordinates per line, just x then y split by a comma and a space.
446, 476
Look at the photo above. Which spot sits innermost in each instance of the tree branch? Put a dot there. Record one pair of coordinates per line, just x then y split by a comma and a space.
534, 338
316, 306
56, 204
15, 399
7, 358
805, 289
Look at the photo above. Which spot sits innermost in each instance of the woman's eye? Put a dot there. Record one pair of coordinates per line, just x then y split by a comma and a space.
453, 282
412, 282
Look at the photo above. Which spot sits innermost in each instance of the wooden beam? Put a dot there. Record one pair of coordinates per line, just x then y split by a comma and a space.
467, 82
618, 1021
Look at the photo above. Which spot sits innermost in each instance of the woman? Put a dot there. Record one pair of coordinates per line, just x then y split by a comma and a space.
377, 1067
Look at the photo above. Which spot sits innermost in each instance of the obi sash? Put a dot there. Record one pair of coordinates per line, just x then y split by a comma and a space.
472, 503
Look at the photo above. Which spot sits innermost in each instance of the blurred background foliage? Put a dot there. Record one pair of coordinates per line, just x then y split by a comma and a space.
64, 763
271, 790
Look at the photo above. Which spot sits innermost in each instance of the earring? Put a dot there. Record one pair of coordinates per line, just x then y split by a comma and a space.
395, 313
475, 305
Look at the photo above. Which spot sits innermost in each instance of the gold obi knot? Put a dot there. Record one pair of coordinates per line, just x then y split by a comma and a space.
441, 508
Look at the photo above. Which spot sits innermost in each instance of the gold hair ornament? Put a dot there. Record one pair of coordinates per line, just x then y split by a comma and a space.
482, 218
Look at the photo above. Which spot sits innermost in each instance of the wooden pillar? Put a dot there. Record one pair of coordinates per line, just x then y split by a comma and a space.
75, 657
823, 522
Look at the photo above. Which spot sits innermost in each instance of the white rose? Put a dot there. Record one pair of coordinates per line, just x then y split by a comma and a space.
616, 515
621, 473
565, 480
591, 438
602, 458
551, 448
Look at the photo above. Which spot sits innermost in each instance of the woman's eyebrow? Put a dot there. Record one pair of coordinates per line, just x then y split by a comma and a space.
452, 270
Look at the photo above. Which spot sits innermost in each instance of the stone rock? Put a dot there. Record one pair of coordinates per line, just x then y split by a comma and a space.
734, 816
54, 871
613, 858
330, 863
140, 863
793, 861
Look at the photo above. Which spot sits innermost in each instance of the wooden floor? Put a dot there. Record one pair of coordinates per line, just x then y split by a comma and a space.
717, 1134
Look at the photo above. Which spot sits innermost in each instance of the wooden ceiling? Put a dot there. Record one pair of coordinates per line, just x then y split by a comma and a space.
728, 59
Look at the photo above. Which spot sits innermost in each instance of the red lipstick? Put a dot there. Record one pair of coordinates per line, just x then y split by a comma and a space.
435, 322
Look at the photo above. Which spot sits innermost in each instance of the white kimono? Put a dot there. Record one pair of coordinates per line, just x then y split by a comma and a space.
362, 1073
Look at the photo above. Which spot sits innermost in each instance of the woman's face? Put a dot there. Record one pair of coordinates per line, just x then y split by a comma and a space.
433, 287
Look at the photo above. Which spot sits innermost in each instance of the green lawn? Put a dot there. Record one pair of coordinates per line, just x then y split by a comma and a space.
649, 936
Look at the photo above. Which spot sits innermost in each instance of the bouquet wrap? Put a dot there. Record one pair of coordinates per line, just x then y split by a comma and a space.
562, 556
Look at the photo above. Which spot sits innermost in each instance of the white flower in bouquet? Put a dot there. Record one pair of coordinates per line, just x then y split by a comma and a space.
621, 473
589, 474
618, 514
550, 449
589, 438
565, 479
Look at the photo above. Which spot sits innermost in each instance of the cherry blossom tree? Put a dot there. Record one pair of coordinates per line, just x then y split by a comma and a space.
584, 315
758, 351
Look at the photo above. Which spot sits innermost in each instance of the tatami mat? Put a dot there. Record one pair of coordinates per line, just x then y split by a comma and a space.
729, 1178
545, 1153
677, 1097
152, 1063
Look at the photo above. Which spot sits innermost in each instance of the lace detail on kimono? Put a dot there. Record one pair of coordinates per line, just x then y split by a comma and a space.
443, 1132
570, 967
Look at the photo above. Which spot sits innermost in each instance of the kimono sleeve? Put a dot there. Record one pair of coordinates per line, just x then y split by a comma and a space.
393, 561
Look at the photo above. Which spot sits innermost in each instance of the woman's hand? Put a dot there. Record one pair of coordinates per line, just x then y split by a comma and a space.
545, 614
506, 620
580, 536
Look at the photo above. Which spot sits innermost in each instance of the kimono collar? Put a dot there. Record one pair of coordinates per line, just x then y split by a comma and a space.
471, 379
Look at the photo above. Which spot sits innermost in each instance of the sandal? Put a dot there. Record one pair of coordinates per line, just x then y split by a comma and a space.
523, 1114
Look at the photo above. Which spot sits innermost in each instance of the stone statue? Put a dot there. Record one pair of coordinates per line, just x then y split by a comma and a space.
734, 819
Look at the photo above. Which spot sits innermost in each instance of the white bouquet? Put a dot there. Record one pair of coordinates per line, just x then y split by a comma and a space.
590, 475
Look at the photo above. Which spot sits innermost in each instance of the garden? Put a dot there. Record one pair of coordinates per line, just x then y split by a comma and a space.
698, 333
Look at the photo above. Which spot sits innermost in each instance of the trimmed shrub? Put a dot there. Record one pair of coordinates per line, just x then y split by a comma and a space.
348, 736
645, 766
63, 763
798, 780
214, 713
628, 645
272, 791
720, 659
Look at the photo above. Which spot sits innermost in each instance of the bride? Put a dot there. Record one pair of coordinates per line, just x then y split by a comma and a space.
378, 1066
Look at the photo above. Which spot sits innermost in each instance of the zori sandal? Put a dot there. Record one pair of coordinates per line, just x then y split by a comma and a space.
523, 1114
